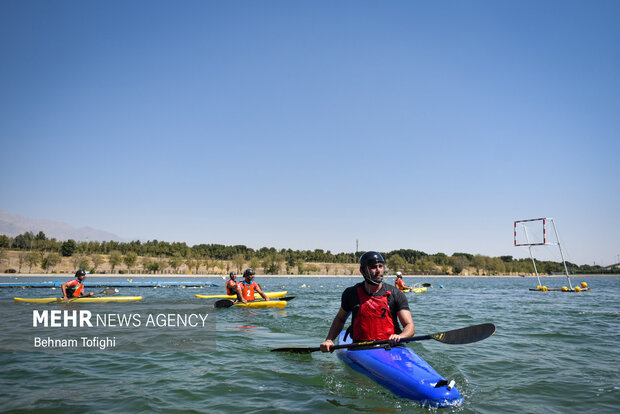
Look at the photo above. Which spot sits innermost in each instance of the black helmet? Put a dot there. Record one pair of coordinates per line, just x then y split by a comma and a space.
80, 273
233, 273
248, 272
370, 258
367, 259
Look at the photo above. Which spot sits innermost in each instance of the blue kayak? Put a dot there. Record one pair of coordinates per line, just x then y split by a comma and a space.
403, 372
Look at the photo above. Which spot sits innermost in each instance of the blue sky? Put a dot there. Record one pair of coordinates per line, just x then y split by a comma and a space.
310, 124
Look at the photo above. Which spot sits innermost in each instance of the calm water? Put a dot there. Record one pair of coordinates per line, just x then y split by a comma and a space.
552, 353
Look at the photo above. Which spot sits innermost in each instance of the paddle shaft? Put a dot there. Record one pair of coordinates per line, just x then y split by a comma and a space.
365, 344
465, 335
107, 291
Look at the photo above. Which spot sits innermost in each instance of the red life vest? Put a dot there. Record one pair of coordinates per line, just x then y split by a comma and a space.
247, 290
231, 287
400, 284
74, 288
373, 320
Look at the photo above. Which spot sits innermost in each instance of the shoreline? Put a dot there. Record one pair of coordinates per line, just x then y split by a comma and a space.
224, 277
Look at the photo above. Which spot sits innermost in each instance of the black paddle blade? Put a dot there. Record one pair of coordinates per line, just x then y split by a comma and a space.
296, 350
466, 335
109, 291
223, 303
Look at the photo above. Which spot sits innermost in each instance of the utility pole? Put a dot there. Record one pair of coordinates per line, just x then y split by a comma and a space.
357, 245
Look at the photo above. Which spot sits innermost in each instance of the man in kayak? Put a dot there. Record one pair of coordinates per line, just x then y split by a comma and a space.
376, 306
400, 283
247, 288
231, 285
74, 288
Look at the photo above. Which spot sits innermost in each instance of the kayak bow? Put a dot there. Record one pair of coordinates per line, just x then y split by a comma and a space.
83, 299
403, 372
269, 295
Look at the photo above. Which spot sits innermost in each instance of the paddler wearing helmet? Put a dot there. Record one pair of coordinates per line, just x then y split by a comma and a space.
400, 283
74, 288
231, 284
247, 288
377, 308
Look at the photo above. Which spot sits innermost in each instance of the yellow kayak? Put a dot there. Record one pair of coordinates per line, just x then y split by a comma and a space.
415, 290
84, 299
263, 304
269, 295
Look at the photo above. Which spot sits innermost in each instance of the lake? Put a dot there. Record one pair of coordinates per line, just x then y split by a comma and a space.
553, 352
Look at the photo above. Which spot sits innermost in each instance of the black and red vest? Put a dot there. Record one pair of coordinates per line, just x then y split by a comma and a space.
373, 320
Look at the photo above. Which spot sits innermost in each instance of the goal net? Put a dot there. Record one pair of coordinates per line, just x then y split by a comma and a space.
532, 232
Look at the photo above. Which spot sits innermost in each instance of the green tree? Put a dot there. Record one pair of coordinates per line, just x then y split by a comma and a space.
76, 260
425, 266
497, 266
32, 259
197, 264
175, 262
272, 263
146, 264
458, 264
238, 260
153, 266
209, 263
130, 260
396, 263
5, 241
97, 261
23, 241
480, 263
84, 263
301, 266
254, 263
20, 261
162, 265
115, 259
68, 248
4, 257
51, 260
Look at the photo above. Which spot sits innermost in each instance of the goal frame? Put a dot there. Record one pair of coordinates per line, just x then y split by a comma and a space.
544, 232
529, 245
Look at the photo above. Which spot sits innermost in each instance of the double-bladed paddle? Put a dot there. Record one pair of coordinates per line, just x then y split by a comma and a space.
460, 336
106, 292
227, 303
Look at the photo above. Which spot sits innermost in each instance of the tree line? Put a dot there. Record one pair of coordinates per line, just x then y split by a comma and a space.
48, 252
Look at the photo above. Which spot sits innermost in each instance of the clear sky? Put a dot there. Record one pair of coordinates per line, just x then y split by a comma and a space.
427, 125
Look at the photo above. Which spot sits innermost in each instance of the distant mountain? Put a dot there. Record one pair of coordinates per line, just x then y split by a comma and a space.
14, 224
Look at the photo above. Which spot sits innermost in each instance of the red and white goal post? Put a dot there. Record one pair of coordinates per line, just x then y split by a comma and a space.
533, 232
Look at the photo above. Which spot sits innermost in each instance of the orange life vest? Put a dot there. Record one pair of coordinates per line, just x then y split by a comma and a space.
247, 290
231, 287
400, 283
74, 288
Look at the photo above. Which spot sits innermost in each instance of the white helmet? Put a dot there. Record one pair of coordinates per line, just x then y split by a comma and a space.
398, 274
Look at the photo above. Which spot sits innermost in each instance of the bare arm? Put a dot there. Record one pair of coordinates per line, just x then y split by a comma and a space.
404, 316
64, 291
240, 295
260, 292
334, 330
